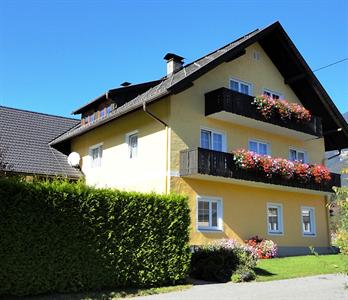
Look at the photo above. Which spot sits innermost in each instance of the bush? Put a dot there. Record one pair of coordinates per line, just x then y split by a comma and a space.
218, 260
264, 248
63, 237
341, 234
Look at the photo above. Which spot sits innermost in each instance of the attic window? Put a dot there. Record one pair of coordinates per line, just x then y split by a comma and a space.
102, 113
256, 55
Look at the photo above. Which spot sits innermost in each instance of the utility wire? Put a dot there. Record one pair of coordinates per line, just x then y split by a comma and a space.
335, 63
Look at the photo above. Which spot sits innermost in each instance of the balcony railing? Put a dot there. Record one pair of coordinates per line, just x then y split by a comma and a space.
201, 161
224, 99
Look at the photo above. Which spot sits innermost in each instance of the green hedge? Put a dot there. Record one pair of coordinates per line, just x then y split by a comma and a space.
62, 237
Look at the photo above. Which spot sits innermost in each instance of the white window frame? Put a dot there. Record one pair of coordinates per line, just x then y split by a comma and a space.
219, 202
100, 155
313, 233
299, 150
280, 95
260, 142
279, 206
128, 135
222, 133
239, 83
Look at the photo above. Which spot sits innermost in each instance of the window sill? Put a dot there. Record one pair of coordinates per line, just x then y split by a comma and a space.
210, 230
276, 233
309, 235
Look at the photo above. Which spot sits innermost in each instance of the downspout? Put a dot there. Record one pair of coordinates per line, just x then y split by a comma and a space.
167, 141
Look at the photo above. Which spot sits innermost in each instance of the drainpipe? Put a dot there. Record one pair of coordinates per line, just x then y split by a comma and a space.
167, 141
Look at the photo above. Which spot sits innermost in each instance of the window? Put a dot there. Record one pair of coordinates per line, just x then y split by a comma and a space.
240, 86
95, 153
213, 140
209, 213
297, 155
86, 119
102, 113
259, 147
92, 117
275, 218
308, 223
108, 110
132, 141
272, 94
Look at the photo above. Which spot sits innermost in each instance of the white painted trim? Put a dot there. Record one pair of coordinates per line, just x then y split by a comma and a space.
251, 86
212, 130
127, 135
269, 150
280, 218
220, 214
299, 150
281, 95
313, 222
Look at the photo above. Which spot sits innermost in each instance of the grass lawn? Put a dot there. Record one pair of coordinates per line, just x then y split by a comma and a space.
300, 266
107, 295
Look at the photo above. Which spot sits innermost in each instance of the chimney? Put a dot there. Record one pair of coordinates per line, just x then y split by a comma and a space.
174, 63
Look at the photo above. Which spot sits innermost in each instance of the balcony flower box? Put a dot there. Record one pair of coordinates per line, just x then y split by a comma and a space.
269, 107
280, 167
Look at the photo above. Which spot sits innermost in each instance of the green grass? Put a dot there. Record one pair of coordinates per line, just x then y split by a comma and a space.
107, 295
300, 266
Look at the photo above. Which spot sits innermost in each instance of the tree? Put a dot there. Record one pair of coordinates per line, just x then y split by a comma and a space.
5, 166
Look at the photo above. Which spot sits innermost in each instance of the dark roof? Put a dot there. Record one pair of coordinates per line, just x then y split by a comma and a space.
24, 141
286, 58
123, 93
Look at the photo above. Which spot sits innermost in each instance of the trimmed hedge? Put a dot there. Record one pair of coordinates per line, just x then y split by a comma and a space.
63, 237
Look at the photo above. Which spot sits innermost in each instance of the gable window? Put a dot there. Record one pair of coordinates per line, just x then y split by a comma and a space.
132, 141
308, 222
209, 213
102, 113
213, 140
108, 110
275, 218
259, 147
92, 117
240, 86
96, 153
297, 155
272, 94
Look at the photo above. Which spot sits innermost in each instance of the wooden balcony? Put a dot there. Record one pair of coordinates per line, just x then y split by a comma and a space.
227, 105
218, 166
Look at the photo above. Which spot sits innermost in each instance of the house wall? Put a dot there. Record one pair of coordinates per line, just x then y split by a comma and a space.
146, 172
244, 207
245, 213
187, 110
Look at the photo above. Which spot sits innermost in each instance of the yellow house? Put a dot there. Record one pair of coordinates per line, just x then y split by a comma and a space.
179, 134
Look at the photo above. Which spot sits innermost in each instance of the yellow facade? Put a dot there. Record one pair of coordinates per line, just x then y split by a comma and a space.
146, 172
157, 166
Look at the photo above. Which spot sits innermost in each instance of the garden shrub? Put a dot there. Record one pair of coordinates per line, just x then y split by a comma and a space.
64, 237
264, 248
220, 259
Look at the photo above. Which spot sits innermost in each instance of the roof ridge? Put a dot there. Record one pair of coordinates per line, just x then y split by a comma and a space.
38, 113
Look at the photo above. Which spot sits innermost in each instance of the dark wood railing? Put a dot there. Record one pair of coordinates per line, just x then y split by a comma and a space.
216, 163
224, 99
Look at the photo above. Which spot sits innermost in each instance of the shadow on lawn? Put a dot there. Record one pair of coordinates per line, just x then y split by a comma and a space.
263, 272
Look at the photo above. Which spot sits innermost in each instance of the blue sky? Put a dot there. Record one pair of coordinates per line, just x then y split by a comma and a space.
57, 55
